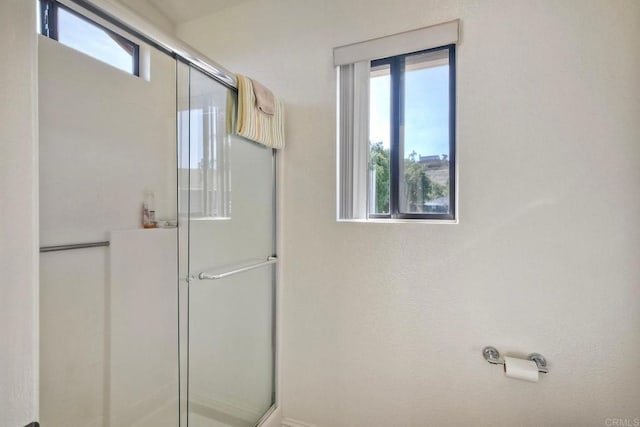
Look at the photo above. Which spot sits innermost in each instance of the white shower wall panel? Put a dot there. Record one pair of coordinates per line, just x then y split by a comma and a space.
72, 347
105, 137
143, 329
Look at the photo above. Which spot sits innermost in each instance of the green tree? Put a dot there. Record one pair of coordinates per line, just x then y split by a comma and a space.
418, 187
379, 161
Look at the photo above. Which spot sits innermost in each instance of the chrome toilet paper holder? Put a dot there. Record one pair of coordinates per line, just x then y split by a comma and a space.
492, 355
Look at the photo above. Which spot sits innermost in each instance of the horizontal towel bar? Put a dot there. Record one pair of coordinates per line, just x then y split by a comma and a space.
205, 276
73, 246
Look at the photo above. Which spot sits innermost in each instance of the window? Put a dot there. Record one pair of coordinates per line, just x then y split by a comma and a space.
411, 129
70, 28
396, 148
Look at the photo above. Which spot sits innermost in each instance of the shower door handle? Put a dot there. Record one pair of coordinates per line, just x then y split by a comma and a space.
206, 276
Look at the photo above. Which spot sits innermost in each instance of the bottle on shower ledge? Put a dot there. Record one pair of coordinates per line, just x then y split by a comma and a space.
148, 210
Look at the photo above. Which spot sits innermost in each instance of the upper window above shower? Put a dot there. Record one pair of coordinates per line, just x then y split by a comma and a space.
81, 33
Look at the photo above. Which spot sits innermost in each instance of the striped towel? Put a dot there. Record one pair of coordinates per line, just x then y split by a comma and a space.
254, 124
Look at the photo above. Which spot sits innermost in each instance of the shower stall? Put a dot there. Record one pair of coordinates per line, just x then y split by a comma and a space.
170, 326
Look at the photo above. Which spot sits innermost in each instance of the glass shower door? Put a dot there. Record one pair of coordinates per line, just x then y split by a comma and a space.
227, 224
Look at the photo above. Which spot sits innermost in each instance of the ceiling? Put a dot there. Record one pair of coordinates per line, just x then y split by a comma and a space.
181, 11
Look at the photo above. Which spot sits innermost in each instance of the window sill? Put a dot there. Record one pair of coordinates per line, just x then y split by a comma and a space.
402, 221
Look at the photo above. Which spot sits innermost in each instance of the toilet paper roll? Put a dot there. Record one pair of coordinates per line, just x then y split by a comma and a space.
521, 369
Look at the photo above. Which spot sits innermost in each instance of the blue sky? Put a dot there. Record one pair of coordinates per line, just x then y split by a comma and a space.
426, 111
92, 40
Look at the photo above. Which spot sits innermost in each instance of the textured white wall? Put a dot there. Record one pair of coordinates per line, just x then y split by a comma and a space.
150, 12
18, 213
383, 324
